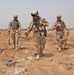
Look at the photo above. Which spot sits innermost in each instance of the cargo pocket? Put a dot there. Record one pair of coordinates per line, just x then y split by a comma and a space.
43, 40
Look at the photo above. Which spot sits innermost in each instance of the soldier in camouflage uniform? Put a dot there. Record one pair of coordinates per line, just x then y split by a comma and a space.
38, 26
61, 36
15, 29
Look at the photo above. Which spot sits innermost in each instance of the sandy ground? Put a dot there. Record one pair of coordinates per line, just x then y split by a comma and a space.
52, 63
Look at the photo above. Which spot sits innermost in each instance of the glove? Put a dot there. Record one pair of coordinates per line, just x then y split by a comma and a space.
9, 31
19, 32
26, 33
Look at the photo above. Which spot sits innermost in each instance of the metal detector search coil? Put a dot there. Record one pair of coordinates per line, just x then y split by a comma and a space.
10, 63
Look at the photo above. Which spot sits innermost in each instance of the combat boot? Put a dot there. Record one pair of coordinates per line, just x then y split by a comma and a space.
37, 57
60, 49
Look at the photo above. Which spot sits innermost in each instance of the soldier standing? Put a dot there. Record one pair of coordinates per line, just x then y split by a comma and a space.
61, 36
38, 26
15, 30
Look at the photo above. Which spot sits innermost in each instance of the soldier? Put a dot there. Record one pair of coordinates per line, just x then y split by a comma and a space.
15, 29
38, 25
61, 36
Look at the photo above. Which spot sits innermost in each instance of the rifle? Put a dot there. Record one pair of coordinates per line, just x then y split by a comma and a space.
67, 34
45, 32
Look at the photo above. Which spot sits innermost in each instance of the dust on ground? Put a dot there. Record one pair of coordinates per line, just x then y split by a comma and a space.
52, 63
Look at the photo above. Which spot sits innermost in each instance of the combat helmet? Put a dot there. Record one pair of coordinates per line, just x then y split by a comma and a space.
15, 16
34, 13
58, 16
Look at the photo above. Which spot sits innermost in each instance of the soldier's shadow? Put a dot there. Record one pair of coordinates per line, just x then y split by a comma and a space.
69, 46
4, 49
66, 48
22, 48
48, 54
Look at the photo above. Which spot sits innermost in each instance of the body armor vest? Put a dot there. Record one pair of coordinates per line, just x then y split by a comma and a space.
37, 24
61, 27
15, 24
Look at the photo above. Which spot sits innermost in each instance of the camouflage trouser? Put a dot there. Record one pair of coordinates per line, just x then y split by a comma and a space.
40, 42
15, 38
61, 38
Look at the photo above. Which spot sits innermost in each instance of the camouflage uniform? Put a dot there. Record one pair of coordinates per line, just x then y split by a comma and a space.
15, 27
61, 36
38, 34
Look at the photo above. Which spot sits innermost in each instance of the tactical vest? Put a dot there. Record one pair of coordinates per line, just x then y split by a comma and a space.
37, 24
15, 24
39, 27
61, 27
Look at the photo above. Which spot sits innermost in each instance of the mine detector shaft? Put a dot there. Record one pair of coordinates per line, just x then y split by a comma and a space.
10, 61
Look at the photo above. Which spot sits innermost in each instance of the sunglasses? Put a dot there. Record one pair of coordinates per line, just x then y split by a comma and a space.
33, 15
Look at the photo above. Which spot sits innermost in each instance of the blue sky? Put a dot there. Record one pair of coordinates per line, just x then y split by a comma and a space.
48, 9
